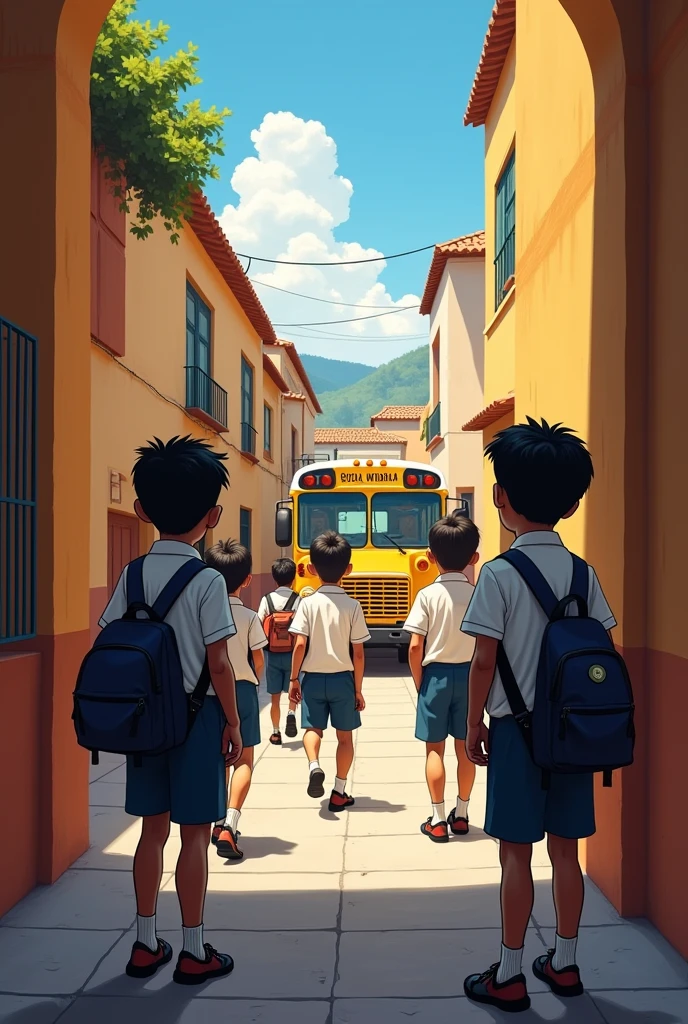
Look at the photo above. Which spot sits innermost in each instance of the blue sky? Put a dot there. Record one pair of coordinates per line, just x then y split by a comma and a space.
389, 82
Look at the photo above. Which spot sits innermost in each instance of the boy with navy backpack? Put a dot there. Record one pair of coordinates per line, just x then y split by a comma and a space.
276, 612
158, 685
557, 694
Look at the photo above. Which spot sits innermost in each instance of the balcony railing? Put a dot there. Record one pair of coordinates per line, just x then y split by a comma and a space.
432, 426
307, 460
205, 398
505, 264
248, 439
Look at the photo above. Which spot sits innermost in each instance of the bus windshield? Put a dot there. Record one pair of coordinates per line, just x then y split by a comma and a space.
404, 520
344, 513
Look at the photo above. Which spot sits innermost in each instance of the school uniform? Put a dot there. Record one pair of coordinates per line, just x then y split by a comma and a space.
277, 663
187, 782
519, 810
332, 621
249, 636
437, 614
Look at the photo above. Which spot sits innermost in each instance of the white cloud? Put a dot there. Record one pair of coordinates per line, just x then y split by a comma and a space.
290, 201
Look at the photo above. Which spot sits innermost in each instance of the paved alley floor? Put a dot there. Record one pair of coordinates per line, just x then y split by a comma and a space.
350, 920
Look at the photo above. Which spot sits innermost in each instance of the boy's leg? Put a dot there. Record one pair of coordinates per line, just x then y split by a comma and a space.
458, 817
314, 719
227, 840
432, 721
341, 700
312, 738
275, 714
149, 953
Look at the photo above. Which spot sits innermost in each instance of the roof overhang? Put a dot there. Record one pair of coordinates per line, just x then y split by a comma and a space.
490, 414
500, 34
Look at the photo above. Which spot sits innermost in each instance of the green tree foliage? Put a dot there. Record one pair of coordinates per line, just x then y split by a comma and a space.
333, 374
157, 150
402, 381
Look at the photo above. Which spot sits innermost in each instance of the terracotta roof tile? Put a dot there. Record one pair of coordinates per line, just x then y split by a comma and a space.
211, 236
399, 412
274, 374
355, 435
466, 245
300, 369
490, 414
500, 33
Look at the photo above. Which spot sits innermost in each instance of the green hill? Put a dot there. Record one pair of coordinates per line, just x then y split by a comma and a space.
333, 374
403, 381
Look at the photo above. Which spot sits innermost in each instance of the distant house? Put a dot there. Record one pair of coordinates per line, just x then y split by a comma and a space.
299, 405
405, 421
358, 443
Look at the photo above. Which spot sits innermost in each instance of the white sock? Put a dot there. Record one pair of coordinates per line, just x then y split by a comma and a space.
145, 932
291, 712
193, 942
461, 808
339, 785
312, 765
275, 730
509, 964
232, 819
438, 813
564, 953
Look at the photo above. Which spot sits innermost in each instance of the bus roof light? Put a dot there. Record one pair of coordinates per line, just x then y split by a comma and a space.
357, 462
383, 462
369, 462
326, 480
429, 480
412, 480
309, 481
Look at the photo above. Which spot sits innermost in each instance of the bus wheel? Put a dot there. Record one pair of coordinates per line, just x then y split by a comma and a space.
402, 655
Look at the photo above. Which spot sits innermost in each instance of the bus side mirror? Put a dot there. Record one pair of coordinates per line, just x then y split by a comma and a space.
283, 527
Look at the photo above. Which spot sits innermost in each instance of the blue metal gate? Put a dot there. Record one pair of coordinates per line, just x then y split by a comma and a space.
18, 440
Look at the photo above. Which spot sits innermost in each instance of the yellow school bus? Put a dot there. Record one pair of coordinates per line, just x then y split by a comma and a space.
385, 509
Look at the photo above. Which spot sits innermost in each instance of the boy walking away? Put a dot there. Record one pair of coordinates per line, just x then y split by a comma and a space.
245, 650
542, 473
276, 612
177, 486
330, 632
439, 658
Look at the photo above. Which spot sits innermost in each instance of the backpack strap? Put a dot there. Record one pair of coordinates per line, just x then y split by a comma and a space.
270, 603
538, 585
134, 584
291, 601
580, 582
174, 588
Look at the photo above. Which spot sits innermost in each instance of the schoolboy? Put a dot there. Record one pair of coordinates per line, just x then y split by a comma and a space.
439, 658
177, 487
278, 668
542, 473
330, 631
245, 650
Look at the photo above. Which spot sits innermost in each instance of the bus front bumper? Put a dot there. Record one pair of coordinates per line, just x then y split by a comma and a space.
388, 636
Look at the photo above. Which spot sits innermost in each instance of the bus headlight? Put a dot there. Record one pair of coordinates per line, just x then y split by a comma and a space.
422, 565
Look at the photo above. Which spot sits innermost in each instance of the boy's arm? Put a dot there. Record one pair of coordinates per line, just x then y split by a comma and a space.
258, 662
359, 668
298, 654
415, 658
479, 683
257, 641
224, 684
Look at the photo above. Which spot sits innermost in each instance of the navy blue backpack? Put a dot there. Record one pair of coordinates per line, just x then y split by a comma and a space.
130, 696
582, 718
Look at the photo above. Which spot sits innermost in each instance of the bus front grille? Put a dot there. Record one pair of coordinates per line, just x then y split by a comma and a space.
380, 597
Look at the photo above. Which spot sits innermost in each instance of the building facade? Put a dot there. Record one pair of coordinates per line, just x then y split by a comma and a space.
403, 421
300, 406
358, 443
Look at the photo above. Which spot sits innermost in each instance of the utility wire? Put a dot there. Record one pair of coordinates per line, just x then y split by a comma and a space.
363, 341
337, 263
328, 335
332, 302
323, 323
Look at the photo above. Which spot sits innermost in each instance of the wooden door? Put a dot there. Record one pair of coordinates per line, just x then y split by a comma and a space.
123, 545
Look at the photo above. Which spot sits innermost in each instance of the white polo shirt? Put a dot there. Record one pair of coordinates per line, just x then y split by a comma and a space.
504, 608
279, 599
249, 636
331, 620
437, 614
199, 617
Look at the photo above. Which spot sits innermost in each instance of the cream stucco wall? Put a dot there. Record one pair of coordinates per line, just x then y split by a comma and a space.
410, 431
360, 451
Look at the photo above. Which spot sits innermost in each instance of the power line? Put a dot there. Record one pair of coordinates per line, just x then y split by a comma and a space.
299, 295
325, 335
373, 316
334, 263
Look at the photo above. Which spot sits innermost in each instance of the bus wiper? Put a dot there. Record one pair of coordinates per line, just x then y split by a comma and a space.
394, 542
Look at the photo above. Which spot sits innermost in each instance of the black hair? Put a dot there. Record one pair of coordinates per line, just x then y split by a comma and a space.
544, 470
283, 571
232, 560
453, 541
330, 556
178, 482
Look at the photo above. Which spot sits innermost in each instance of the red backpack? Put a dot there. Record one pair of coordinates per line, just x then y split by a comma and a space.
276, 626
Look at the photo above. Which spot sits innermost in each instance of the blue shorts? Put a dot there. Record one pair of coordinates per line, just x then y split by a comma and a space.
519, 810
188, 783
247, 706
443, 702
329, 695
278, 671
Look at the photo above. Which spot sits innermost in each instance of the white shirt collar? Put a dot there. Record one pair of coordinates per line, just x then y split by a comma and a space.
451, 576
538, 537
285, 591
173, 547
235, 600
331, 588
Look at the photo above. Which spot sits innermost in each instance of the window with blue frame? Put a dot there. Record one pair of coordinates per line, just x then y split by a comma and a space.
267, 429
198, 320
505, 230
245, 527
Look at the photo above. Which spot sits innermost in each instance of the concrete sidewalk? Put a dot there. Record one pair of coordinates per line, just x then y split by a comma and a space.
356, 920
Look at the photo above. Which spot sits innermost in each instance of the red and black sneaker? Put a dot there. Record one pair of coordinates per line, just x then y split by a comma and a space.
291, 730
276, 738
143, 963
438, 832
227, 847
509, 996
339, 801
192, 971
459, 826
565, 982
215, 834
315, 783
